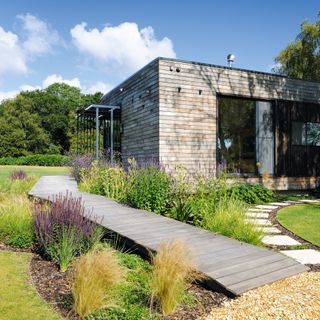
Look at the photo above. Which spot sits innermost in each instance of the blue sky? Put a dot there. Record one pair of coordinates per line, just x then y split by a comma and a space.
96, 44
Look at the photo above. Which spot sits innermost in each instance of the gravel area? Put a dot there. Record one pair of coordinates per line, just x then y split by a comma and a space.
294, 298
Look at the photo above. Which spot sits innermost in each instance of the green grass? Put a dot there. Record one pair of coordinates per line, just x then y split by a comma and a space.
18, 298
303, 220
5, 171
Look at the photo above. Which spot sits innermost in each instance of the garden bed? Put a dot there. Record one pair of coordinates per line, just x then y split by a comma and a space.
55, 288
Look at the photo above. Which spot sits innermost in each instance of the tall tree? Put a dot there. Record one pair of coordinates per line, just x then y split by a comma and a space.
41, 121
301, 58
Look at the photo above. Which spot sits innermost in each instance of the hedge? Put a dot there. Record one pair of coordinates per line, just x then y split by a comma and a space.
48, 160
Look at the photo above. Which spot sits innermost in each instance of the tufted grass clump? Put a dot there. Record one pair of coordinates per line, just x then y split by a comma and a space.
96, 275
173, 270
16, 227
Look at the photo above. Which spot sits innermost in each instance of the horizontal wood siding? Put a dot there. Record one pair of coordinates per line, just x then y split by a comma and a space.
188, 107
139, 100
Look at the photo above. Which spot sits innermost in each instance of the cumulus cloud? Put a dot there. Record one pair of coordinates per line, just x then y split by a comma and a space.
12, 58
16, 50
122, 46
39, 36
57, 78
98, 86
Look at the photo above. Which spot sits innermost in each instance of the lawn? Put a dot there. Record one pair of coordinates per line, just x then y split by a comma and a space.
303, 220
18, 298
32, 171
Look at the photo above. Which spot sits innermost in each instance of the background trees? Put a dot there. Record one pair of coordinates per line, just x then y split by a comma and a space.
301, 58
41, 121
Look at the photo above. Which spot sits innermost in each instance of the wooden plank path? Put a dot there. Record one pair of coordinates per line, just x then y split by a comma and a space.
231, 266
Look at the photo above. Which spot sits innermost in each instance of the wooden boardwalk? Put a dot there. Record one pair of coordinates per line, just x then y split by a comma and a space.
231, 266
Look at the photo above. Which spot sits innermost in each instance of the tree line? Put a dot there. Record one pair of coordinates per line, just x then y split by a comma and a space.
41, 121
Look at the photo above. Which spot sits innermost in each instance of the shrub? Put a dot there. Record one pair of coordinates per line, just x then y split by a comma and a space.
173, 270
64, 230
112, 181
18, 175
148, 188
80, 163
89, 179
48, 160
252, 193
95, 276
229, 219
16, 228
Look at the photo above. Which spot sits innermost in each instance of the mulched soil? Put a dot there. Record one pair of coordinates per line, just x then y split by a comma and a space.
55, 288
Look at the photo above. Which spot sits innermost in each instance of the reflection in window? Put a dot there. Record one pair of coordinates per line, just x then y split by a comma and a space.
245, 136
298, 133
306, 133
313, 133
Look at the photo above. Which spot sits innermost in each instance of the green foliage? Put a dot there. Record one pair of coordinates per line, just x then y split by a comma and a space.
148, 188
301, 58
41, 121
252, 193
132, 296
229, 219
48, 160
17, 186
106, 180
112, 180
16, 227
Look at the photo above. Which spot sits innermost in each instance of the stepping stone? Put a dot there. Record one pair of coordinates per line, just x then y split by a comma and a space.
304, 256
280, 204
257, 215
262, 206
259, 222
280, 240
259, 210
270, 230
291, 201
309, 201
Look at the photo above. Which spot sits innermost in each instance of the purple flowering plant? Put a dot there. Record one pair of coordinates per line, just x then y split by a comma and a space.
64, 229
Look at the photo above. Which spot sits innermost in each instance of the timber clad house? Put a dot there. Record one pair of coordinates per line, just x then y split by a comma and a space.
262, 126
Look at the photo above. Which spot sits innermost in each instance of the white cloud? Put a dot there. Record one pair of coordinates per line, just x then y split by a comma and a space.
54, 78
12, 57
97, 87
16, 50
8, 95
40, 37
122, 46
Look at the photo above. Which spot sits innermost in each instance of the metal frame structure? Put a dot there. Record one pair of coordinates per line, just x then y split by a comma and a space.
95, 111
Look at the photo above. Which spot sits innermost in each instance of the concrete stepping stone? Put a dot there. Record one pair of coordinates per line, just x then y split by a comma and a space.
259, 210
257, 215
291, 201
280, 240
262, 206
309, 201
259, 222
270, 230
304, 256
280, 204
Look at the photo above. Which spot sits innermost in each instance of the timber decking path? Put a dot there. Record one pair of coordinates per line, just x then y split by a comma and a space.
230, 265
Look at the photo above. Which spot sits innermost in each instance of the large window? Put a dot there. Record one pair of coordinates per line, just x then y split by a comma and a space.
306, 133
245, 136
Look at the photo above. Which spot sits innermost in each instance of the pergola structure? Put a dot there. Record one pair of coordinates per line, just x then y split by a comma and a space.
95, 129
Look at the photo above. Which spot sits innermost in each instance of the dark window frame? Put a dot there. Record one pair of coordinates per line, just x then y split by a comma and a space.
306, 134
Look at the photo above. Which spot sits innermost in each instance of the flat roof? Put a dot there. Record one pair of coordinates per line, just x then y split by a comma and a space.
208, 65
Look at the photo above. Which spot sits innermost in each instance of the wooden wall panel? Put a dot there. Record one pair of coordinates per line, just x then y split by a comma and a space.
190, 89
